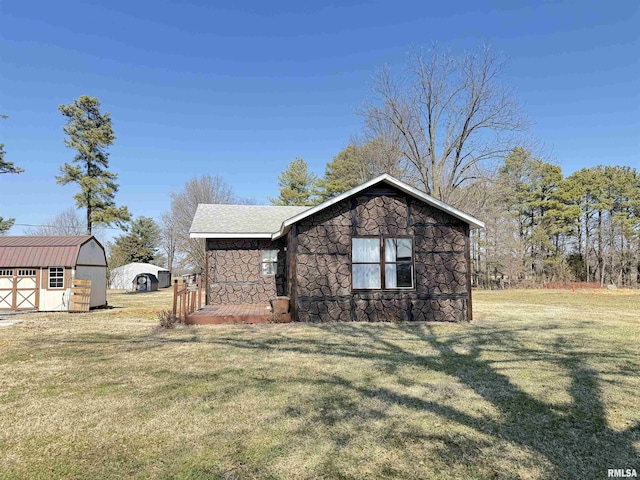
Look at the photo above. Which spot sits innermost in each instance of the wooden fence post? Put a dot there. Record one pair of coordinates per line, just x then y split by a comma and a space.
199, 292
175, 296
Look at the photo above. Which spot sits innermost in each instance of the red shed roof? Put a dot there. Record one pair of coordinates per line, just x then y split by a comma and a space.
36, 251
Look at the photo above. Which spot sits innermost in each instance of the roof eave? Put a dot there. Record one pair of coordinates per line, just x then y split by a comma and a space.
279, 234
470, 220
228, 235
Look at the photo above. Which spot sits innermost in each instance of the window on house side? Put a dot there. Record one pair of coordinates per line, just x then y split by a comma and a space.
398, 263
375, 262
365, 263
269, 262
56, 277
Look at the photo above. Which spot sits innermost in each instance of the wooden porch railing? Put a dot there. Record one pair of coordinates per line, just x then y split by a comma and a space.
187, 299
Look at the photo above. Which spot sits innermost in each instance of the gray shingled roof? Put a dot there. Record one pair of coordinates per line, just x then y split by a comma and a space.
241, 219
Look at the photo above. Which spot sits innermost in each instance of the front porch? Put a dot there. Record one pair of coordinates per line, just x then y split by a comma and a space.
187, 307
229, 313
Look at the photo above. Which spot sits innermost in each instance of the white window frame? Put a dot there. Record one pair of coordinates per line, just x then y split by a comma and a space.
383, 262
57, 270
264, 262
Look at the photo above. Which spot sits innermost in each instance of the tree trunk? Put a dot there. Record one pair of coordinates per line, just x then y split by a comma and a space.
88, 197
88, 217
600, 259
586, 247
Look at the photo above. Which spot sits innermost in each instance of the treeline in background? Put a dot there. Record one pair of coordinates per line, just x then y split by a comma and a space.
541, 226
446, 124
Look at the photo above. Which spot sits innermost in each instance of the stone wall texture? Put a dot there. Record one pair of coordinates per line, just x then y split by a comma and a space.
323, 262
319, 263
235, 271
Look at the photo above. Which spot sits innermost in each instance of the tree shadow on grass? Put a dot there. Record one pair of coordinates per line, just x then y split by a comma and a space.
575, 437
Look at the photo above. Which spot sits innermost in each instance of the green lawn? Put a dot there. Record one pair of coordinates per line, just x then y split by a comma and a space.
543, 384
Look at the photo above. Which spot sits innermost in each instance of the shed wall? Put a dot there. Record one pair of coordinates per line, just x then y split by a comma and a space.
164, 279
98, 277
57, 299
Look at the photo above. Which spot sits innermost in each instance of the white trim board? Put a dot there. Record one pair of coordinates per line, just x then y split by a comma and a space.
229, 235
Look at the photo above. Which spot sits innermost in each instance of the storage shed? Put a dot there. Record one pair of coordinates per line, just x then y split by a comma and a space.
36, 272
383, 251
139, 277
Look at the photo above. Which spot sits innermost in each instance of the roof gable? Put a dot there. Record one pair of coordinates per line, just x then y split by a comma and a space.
394, 182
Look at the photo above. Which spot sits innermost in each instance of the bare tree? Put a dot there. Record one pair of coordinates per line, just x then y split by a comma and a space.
67, 222
383, 155
168, 238
203, 189
448, 116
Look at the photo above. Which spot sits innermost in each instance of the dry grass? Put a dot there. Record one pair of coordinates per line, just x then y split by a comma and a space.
543, 384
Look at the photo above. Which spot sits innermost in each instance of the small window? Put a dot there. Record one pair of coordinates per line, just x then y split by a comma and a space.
6, 273
26, 272
269, 262
56, 277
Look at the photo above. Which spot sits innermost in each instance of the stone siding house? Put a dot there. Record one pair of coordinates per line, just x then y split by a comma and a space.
383, 251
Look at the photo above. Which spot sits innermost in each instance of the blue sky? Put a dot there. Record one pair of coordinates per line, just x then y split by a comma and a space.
242, 89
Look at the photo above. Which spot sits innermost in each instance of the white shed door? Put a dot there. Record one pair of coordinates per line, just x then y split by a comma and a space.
18, 289
6, 289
